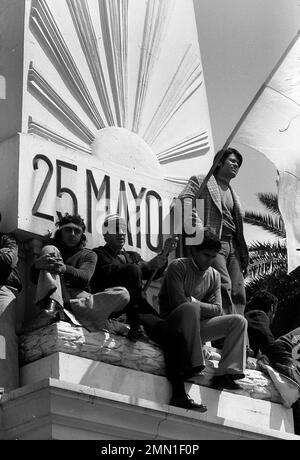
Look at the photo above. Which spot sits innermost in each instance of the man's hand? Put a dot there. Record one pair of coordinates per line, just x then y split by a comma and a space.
50, 263
170, 245
161, 259
43, 262
58, 268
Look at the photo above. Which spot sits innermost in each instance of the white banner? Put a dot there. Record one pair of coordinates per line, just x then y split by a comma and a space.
271, 125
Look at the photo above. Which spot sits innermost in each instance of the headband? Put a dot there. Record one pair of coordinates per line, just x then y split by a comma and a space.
71, 225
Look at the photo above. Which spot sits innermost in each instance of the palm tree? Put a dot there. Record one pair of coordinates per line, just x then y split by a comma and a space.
268, 265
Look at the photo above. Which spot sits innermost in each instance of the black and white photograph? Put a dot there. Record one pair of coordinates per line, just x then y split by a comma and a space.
149, 223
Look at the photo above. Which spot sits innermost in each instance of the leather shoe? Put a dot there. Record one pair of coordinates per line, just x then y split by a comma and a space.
192, 372
50, 308
237, 376
224, 382
186, 402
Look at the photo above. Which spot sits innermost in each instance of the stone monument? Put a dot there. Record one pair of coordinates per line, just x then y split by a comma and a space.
102, 108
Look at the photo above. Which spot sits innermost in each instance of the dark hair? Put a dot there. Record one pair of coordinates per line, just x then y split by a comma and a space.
210, 241
262, 300
226, 154
70, 219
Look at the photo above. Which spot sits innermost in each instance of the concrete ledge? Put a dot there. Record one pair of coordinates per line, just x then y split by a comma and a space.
134, 385
53, 409
111, 346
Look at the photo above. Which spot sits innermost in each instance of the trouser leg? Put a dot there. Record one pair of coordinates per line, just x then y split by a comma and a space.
238, 292
9, 365
233, 328
92, 310
130, 277
185, 322
179, 336
49, 284
220, 264
228, 264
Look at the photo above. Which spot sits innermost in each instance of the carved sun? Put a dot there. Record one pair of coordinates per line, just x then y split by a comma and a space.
128, 64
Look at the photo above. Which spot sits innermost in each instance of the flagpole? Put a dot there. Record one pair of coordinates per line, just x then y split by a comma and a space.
259, 92
245, 114
218, 157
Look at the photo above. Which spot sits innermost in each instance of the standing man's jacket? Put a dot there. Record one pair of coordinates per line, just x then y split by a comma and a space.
213, 211
9, 275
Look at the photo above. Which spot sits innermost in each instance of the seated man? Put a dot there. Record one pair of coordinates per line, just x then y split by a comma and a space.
62, 274
10, 286
282, 353
118, 267
193, 283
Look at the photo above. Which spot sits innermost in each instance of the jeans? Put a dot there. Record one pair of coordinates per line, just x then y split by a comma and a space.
228, 264
182, 333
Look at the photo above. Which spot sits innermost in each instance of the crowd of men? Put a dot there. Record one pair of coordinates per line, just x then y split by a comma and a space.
202, 296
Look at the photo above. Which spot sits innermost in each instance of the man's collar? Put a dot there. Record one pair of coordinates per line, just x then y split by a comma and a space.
112, 251
195, 266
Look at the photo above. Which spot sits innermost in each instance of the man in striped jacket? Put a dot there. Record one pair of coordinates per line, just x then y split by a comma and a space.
222, 212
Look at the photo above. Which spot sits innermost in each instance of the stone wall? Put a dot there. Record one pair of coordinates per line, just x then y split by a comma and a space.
111, 346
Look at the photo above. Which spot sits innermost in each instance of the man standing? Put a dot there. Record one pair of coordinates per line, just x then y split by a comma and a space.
193, 283
10, 285
222, 212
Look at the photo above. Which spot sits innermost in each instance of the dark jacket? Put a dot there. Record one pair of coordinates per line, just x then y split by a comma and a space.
259, 331
9, 275
109, 263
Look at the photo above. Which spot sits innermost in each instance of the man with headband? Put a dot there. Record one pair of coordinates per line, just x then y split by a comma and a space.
118, 267
63, 273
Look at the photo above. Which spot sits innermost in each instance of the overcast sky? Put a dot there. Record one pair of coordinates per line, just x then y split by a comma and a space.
240, 42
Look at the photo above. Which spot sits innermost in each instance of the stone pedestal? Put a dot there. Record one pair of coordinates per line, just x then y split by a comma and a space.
111, 346
54, 409
81, 385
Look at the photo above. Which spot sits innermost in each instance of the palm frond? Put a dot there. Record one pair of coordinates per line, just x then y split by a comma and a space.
267, 257
273, 224
285, 287
268, 266
273, 248
270, 201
